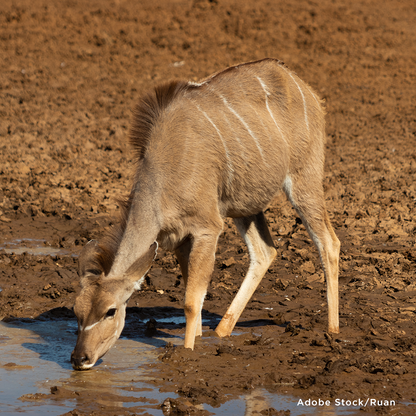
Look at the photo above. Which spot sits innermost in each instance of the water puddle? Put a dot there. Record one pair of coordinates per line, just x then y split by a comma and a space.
34, 363
33, 246
35, 358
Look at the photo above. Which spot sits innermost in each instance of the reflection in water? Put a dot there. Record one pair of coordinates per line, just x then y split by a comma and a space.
256, 402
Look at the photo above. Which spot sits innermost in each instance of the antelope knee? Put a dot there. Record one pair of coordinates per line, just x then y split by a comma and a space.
191, 310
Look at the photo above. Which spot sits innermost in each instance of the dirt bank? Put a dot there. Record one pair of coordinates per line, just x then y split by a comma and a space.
70, 73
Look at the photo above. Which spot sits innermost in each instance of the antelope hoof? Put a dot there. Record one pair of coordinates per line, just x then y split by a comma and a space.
333, 329
222, 330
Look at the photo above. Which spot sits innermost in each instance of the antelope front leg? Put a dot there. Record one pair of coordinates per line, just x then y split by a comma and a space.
200, 267
182, 254
261, 249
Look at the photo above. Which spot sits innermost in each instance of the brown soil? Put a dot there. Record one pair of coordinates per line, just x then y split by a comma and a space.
70, 73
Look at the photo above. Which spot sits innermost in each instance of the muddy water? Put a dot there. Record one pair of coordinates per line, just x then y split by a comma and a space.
35, 359
37, 378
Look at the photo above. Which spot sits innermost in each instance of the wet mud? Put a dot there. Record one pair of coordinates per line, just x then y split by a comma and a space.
70, 74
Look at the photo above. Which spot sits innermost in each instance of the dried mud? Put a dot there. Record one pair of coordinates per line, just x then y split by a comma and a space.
70, 73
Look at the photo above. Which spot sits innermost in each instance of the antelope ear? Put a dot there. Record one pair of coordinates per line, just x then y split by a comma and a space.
142, 265
86, 258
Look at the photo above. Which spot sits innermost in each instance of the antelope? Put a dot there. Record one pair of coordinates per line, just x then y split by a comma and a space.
222, 147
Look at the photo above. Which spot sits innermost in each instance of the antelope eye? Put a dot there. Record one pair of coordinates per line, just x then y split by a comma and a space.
111, 312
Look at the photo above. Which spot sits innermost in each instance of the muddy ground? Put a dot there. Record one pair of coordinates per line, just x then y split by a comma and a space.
70, 74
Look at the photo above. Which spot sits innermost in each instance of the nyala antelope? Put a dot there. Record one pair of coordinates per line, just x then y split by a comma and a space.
223, 147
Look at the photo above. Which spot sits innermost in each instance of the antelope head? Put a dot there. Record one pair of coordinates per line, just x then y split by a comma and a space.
101, 305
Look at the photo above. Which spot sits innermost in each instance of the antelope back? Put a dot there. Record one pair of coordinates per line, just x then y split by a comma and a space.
234, 137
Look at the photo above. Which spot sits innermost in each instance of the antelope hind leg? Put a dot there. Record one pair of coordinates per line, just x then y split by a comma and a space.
315, 219
262, 252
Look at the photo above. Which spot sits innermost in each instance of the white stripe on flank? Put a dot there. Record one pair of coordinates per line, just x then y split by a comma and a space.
260, 120
227, 153
244, 124
196, 84
313, 95
265, 89
303, 97
236, 137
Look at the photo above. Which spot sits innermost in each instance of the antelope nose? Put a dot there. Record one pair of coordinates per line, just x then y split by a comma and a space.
78, 362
